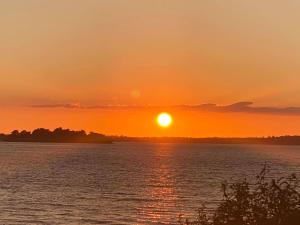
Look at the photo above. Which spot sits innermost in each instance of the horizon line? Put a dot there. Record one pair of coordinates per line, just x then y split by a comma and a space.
141, 137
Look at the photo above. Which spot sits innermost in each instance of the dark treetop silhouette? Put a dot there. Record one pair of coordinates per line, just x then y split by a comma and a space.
58, 135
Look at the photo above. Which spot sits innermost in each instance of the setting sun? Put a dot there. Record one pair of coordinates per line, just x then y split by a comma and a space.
164, 119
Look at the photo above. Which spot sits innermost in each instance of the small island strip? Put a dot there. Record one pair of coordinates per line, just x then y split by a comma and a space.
58, 135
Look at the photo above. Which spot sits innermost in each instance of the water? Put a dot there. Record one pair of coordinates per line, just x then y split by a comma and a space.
124, 183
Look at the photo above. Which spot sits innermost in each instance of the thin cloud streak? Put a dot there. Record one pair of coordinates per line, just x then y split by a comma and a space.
239, 107
246, 107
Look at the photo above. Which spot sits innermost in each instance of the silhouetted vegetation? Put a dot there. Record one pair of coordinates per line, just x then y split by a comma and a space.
57, 135
266, 202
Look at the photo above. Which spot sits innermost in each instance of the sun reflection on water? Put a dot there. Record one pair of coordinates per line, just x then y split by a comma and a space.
160, 186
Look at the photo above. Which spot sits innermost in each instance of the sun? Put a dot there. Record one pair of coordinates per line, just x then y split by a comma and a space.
164, 119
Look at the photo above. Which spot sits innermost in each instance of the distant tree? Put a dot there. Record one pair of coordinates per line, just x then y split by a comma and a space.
15, 133
24, 134
41, 134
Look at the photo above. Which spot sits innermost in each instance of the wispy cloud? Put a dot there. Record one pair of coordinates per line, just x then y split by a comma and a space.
247, 107
65, 105
239, 107
80, 106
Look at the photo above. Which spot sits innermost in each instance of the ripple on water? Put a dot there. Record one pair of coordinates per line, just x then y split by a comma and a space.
124, 183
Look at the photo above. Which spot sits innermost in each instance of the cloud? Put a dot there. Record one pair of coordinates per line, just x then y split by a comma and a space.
239, 107
67, 105
79, 106
247, 107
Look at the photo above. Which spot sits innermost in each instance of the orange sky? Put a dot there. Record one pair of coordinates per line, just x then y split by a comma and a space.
142, 122
116, 52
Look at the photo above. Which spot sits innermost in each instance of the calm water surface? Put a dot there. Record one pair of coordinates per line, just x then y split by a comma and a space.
124, 183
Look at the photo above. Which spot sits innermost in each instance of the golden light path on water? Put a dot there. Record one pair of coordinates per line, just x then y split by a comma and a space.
163, 192
163, 189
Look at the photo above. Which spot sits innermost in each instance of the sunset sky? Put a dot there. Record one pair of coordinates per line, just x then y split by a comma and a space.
112, 65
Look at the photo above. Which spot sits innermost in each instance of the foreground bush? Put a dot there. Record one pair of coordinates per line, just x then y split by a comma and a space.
266, 202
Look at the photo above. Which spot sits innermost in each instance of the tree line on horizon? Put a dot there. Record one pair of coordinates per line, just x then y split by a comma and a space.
67, 135
57, 135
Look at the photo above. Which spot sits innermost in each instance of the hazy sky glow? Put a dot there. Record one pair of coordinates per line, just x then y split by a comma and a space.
150, 52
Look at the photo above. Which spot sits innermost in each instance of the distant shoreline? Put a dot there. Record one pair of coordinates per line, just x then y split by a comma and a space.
67, 136
60, 135
152, 142
58, 142
280, 140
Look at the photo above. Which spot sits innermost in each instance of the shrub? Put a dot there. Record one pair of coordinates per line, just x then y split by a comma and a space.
266, 202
